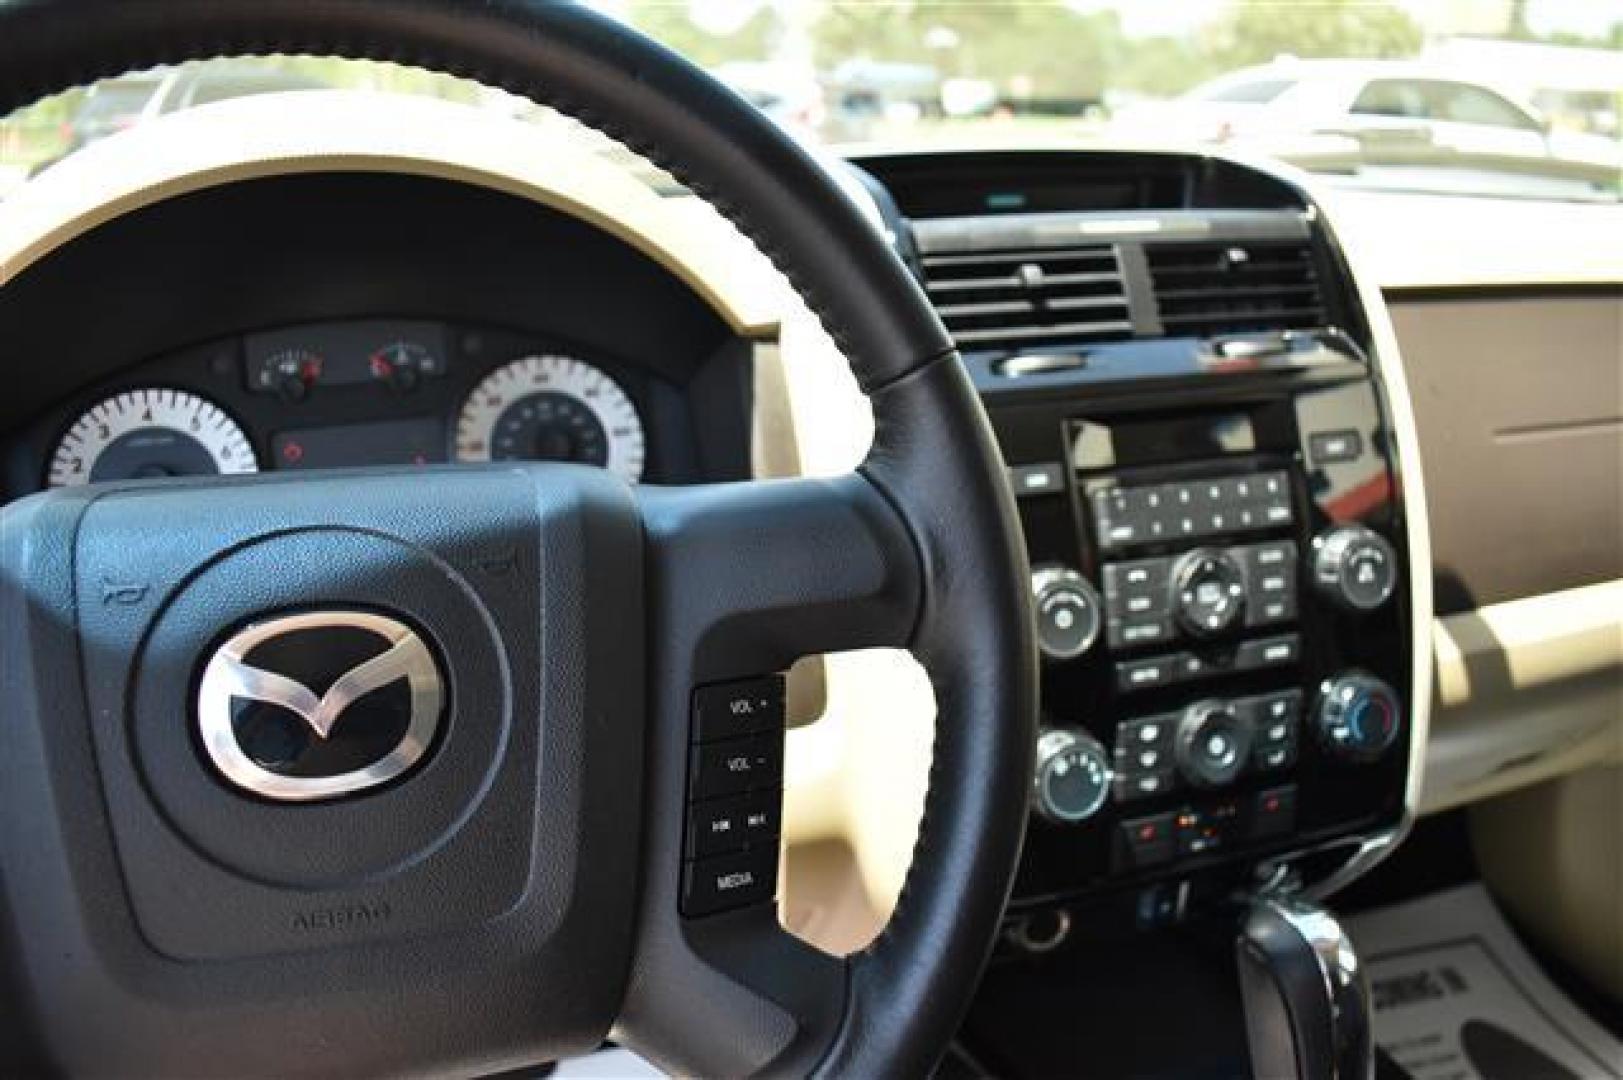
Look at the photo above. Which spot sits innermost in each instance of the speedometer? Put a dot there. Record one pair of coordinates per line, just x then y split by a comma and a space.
551, 408
141, 434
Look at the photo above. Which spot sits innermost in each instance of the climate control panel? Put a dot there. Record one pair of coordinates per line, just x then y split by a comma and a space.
1209, 744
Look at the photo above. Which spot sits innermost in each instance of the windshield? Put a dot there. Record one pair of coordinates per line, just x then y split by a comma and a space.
1504, 98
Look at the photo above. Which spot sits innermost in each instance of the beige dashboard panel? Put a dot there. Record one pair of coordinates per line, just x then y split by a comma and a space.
1519, 396
1425, 241
1527, 690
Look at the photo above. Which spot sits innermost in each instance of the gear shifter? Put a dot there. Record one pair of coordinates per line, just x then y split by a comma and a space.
1307, 1009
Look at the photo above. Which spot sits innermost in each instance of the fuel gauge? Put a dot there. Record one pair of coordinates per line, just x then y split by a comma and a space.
289, 373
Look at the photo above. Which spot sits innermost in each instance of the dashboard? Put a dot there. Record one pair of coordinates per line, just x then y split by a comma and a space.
1183, 381
1143, 328
1202, 407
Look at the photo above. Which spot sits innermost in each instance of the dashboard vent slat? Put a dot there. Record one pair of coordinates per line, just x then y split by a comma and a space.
1209, 288
1034, 296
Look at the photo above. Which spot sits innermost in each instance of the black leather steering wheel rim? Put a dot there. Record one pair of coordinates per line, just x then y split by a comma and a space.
934, 461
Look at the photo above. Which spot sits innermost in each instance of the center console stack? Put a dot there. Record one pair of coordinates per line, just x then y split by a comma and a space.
1186, 392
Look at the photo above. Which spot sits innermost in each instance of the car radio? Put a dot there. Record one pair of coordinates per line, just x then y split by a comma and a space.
1216, 577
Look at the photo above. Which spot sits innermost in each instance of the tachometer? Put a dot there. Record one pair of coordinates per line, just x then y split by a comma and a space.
150, 433
551, 408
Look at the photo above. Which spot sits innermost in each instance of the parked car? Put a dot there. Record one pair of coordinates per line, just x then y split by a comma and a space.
1348, 115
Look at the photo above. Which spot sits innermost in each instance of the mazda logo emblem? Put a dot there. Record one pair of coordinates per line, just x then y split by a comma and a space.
319, 705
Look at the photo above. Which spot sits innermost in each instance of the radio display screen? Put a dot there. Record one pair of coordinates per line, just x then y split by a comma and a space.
1161, 439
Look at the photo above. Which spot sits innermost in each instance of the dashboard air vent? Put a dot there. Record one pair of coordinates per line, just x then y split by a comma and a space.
1016, 299
1205, 289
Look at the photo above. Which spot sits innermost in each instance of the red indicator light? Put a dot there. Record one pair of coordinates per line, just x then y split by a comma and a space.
1146, 832
292, 453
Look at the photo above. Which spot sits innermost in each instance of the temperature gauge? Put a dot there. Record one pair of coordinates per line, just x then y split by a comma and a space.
405, 364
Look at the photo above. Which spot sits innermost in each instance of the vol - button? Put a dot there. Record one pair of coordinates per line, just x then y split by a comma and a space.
737, 765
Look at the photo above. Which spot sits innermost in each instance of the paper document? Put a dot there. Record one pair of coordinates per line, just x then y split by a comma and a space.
1457, 997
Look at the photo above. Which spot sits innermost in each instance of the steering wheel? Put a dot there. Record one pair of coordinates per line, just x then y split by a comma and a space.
516, 895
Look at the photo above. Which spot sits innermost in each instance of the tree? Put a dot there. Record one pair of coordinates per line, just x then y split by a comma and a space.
1046, 50
1164, 66
671, 25
1256, 31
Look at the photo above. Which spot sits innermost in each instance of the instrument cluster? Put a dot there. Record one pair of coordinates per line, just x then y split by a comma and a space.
370, 392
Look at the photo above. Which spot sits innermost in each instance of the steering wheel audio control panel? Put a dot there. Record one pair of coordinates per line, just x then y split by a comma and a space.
735, 796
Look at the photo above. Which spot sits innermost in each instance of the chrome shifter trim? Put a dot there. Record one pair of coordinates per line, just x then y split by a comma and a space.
1350, 1043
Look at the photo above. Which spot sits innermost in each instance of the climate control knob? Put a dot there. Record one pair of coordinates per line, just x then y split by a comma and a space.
1213, 744
1358, 719
1069, 613
1355, 567
1208, 591
1073, 776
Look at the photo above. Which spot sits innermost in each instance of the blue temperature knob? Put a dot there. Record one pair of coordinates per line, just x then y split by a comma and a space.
1359, 718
